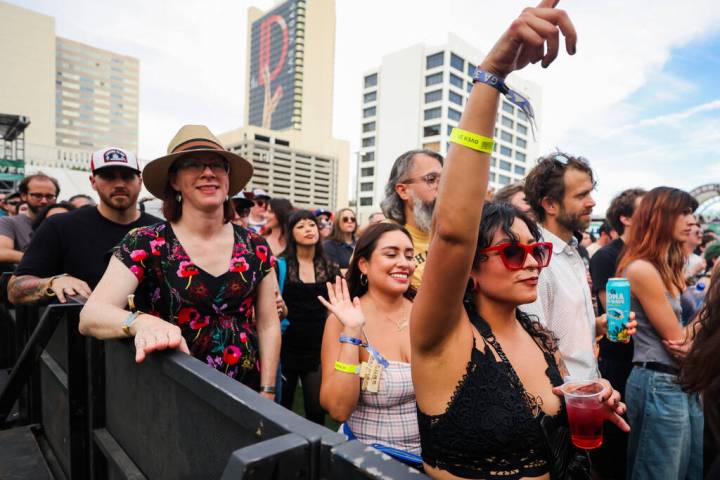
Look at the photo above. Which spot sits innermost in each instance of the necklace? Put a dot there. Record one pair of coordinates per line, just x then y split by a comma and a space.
399, 325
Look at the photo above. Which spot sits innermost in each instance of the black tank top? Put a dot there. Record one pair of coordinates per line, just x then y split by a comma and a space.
491, 426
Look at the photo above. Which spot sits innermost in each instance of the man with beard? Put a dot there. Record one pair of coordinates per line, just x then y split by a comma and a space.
410, 199
68, 253
37, 191
559, 191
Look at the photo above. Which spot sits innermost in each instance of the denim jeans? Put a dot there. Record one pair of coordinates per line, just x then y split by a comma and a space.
666, 440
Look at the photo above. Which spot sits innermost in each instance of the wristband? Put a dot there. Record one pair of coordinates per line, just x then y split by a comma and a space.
346, 367
511, 95
267, 388
472, 140
352, 340
128, 321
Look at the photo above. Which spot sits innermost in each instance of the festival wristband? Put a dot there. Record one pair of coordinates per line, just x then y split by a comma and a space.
472, 140
352, 340
511, 95
347, 367
377, 356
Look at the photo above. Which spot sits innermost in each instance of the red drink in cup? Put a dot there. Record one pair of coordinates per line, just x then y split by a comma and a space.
585, 413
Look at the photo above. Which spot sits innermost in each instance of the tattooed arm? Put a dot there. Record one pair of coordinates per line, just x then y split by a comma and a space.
28, 289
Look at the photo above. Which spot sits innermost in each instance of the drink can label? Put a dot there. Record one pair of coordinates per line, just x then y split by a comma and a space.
617, 301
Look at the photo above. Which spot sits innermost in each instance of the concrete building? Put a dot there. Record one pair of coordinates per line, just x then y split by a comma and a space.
415, 98
288, 108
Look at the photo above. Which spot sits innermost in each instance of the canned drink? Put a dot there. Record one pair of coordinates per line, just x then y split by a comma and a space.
617, 301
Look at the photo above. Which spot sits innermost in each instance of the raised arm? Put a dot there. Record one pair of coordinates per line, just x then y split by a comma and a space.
437, 311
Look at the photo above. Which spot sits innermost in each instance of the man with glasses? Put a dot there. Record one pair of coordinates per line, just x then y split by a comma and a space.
258, 212
68, 253
410, 199
37, 191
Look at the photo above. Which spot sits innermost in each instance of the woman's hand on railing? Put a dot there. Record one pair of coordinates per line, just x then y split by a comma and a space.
152, 333
347, 310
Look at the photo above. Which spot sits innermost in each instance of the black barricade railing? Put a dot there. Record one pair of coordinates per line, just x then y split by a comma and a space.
175, 417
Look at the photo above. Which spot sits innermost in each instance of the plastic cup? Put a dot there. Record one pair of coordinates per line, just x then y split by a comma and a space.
585, 412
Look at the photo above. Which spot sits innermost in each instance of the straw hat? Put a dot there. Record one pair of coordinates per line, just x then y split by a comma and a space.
193, 139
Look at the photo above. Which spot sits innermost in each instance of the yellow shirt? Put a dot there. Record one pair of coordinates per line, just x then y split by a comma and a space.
421, 242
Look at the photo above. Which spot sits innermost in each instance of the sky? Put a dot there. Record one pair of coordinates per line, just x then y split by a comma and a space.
640, 99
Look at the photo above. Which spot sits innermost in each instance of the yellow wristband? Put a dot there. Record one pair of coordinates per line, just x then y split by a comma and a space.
346, 367
472, 140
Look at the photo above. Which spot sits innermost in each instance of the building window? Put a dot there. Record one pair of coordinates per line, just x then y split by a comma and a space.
508, 108
505, 151
366, 201
505, 165
368, 157
522, 129
368, 127
431, 130
433, 79
493, 161
521, 115
469, 86
457, 62
506, 122
519, 170
506, 136
434, 60
503, 180
369, 112
521, 143
366, 187
519, 156
455, 98
449, 130
434, 146
368, 142
454, 114
433, 96
432, 113
371, 80
492, 176
367, 172
470, 69
457, 81
370, 97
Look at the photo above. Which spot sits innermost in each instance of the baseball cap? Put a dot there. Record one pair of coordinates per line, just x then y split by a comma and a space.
241, 201
260, 194
113, 157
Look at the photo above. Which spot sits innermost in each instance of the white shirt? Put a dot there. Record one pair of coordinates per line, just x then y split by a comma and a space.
564, 306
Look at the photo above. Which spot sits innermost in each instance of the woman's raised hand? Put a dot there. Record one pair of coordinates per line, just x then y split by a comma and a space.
532, 37
346, 310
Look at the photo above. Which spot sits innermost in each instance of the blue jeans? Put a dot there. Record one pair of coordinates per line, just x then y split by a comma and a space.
666, 440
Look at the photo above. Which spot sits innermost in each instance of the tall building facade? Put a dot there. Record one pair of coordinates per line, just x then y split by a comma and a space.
96, 101
415, 98
288, 105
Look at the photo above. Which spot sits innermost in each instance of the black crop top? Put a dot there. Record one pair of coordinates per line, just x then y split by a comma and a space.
491, 427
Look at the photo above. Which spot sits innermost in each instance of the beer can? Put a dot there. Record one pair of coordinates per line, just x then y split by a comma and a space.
617, 302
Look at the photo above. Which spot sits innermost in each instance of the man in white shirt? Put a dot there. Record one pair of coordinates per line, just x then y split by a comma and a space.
559, 190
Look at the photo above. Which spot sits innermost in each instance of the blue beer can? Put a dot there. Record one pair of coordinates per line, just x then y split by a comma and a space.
617, 301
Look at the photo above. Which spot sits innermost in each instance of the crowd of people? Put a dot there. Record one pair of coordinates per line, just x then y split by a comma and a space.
441, 330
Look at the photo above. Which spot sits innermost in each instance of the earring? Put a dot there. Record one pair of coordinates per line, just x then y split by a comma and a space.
363, 279
178, 197
227, 198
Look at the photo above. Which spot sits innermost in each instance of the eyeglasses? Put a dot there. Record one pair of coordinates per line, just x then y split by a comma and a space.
430, 179
40, 196
348, 219
513, 255
260, 203
218, 167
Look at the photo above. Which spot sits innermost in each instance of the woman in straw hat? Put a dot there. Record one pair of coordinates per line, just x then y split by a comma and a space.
201, 283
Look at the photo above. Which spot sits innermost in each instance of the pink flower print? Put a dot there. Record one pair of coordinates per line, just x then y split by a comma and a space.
273, 261
138, 256
246, 304
243, 337
232, 355
156, 244
187, 314
262, 253
139, 272
187, 270
200, 322
239, 264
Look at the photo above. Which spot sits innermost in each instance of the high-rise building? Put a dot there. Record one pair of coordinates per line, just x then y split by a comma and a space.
96, 101
288, 105
415, 98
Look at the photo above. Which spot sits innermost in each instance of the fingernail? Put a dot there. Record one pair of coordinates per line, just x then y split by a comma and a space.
574, 50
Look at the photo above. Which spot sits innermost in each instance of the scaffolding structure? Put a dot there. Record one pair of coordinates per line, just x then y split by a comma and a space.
12, 150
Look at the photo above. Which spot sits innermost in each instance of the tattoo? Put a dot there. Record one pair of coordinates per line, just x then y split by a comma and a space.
27, 289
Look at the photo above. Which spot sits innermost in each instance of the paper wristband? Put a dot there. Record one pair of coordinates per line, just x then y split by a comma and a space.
472, 140
346, 367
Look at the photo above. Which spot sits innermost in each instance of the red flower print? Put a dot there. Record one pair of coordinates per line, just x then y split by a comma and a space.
155, 244
262, 252
138, 255
187, 270
187, 314
243, 337
239, 264
246, 304
139, 272
199, 323
232, 355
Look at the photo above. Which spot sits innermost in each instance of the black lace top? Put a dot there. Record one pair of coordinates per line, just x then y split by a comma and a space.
491, 426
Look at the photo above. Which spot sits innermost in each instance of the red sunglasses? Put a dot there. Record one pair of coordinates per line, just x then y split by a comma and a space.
513, 255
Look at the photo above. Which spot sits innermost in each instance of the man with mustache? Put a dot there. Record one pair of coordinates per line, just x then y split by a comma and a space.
68, 253
559, 190
410, 199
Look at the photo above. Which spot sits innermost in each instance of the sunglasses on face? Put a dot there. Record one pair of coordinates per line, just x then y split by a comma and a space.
430, 179
196, 166
39, 196
260, 203
348, 219
513, 255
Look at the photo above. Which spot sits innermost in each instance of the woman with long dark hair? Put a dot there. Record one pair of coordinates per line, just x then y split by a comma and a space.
275, 230
308, 271
667, 423
371, 313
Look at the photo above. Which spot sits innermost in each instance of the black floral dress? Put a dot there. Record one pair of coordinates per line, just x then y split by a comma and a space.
215, 314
